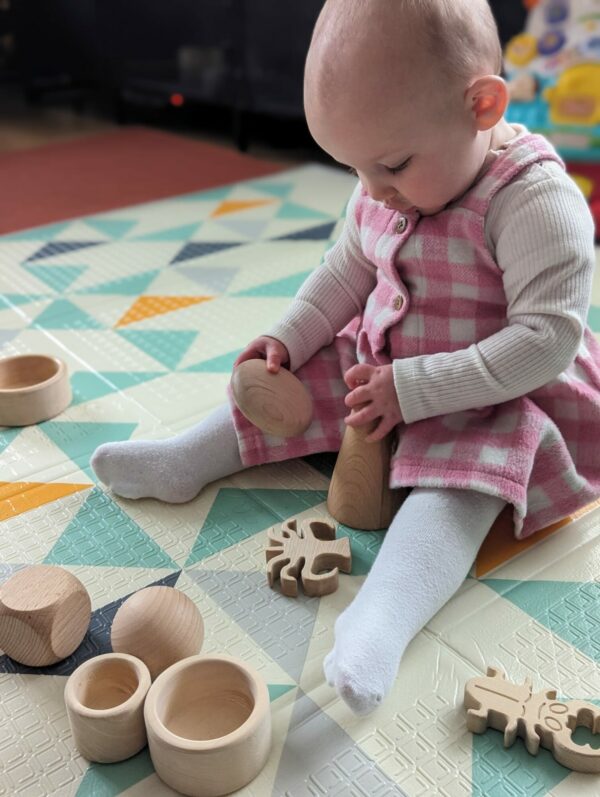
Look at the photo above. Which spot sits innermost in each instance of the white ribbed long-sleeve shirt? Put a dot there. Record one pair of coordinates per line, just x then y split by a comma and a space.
540, 231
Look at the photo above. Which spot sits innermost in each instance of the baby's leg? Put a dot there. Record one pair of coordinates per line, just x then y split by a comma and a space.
425, 556
174, 469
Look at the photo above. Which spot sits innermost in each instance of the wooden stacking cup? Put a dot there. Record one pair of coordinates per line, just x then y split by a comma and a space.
33, 388
208, 721
105, 705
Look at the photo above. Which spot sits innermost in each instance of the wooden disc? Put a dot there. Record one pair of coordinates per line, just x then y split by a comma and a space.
279, 404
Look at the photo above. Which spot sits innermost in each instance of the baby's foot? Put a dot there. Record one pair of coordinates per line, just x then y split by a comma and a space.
363, 663
147, 469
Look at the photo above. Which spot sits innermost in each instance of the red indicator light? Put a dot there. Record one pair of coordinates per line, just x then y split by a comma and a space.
177, 100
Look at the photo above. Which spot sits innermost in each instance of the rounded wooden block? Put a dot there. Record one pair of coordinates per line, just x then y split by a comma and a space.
44, 615
159, 625
33, 388
105, 705
279, 404
208, 721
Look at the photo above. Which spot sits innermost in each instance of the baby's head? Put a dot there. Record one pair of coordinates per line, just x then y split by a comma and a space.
407, 93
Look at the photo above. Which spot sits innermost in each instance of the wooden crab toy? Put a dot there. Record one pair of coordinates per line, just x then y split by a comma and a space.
539, 719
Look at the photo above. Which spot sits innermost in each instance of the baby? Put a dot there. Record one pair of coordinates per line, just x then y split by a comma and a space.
453, 306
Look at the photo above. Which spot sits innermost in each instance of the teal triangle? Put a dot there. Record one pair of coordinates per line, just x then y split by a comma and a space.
88, 385
513, 772
238, 514
288, 286
11, 299
7, 436
167, 347
59, 278
594, 318
275, 189
45, 233
113, 228
569, 609
217, 365
110, 780
63, 314
102, 535
207, 196
183, 233
291, 210
276, 690
364, 545
79, 440
249, 228
133, 285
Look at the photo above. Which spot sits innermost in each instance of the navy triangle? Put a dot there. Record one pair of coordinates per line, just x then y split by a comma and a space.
61, 248
320, 233
201, 248
95, 642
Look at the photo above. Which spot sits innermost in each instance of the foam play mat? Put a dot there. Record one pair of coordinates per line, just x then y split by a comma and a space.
149, 306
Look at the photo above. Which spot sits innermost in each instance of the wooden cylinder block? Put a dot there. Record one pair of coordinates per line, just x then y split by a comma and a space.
279, 404
105, 705
359, 494
33, 388
44, 615
159, 625
208, 721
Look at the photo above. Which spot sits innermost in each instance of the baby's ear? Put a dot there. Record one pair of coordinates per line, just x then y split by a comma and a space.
486, 100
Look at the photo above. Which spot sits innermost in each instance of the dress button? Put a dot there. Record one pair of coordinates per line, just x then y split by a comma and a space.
398, 302
401, 225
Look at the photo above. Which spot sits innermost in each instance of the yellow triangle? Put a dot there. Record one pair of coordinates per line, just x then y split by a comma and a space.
19, 497
149, 306
500, 545
232, 206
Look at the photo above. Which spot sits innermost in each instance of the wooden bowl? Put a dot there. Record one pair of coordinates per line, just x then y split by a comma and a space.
279, 404
208, 721
159, 625
33, 388
105, 705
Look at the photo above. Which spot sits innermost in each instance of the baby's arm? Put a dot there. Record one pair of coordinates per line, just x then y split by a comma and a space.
543, 236
334, 293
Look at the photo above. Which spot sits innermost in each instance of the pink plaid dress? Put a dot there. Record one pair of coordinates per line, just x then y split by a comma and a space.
439, 289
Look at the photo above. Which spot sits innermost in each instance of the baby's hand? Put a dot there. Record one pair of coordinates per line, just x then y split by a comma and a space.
265, 348
373, 385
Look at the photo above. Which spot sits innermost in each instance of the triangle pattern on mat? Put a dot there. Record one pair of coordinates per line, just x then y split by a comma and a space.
318, 751
183, 233
79, 440
217, 279
45, 233
291, 210
88, 385
280, 626
127, 286
211, 195
103, 534
7, 436
237, 205
196, 249
250, 229
11, 300
95, 642
112, 228
280, 190
62, 248
63, 314
59, 278
217, 365
569, 609
320, 233
150, 306
238, 514
288, 286
167, 347
111, 780
19, 497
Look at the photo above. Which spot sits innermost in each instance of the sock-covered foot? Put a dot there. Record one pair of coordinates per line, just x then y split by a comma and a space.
175, 469
363, 664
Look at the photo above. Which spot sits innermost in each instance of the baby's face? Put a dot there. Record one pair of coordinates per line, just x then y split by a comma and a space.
411, 145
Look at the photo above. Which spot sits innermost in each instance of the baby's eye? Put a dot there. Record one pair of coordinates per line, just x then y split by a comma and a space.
400, 167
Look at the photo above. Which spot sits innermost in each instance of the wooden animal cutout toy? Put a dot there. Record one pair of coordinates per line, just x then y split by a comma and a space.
359, 495
539, 718
307, 553
279, 404
159, 625
44, 615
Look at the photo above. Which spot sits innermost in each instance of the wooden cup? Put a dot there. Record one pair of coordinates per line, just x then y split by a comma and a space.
105, 705
33, 388
208, 721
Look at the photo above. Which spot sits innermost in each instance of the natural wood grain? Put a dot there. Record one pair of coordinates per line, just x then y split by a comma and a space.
33, 388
